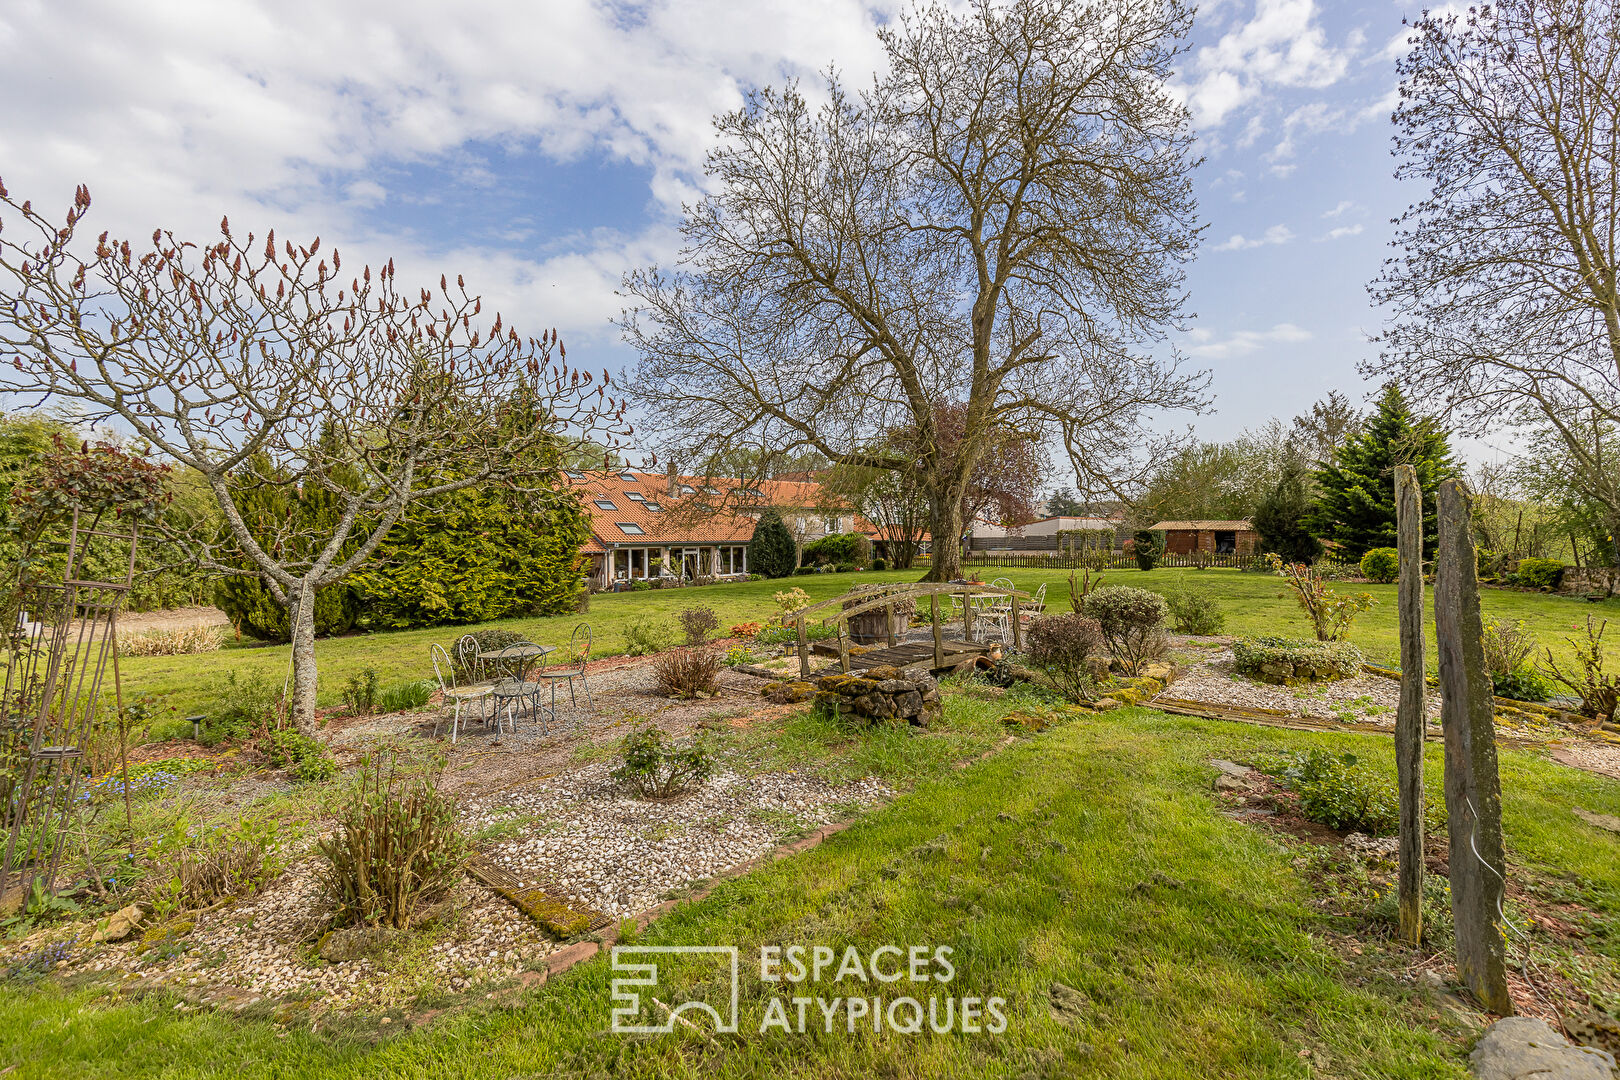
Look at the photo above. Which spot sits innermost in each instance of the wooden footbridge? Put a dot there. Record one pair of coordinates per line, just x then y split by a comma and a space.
937, 655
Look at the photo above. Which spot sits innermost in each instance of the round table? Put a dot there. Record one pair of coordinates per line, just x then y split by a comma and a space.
517, 686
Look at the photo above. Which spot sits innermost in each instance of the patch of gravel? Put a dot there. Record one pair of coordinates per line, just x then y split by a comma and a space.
1591, 754
264, 948
1368, 699
603, 847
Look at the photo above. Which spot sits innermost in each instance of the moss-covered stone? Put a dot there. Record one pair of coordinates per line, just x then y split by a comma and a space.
789, 693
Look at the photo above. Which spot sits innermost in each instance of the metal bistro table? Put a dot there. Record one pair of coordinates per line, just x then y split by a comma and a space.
515, 685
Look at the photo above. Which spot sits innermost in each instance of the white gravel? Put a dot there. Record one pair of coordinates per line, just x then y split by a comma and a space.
599, 845
1367, 699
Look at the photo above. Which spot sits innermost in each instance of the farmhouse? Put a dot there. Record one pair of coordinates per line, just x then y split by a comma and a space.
1047, 534
1213, 537
646, 526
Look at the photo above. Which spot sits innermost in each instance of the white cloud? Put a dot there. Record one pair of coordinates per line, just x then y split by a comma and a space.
1208, 345
1277, 234
1282, 45
1342, 231
1344, 207
285, 113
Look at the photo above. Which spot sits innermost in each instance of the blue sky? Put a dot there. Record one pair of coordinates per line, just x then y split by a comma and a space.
543, 149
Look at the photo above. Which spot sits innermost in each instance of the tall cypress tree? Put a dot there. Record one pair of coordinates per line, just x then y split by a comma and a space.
1356, 494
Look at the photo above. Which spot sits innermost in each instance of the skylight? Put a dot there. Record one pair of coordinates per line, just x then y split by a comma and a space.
654, 507
605, 504
753, 493
688, 489
635, 496
574, 474
630, 528
628, 477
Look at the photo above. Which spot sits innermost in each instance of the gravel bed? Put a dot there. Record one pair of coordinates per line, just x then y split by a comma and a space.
619, 854
1367, 699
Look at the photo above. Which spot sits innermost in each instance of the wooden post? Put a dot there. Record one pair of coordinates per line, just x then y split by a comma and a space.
1411, 717
804, 650
1018, 634
843, 647
888, 612
939, 638
967, 616
1473, 790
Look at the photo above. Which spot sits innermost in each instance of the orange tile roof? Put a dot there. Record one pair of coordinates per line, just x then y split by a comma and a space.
1201, 526
613, 488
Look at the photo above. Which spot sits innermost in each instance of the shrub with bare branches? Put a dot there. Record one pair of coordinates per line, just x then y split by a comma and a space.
686, 673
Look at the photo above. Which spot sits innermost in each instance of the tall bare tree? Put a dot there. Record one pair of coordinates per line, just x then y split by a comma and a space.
998, 224
250, 362
1504, 287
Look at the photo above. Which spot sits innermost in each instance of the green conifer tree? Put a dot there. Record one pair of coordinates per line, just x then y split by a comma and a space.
771, 551
1281, 516
1356, 494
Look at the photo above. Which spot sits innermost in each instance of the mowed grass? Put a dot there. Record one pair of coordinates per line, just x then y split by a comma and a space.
1092, 855
1254, 603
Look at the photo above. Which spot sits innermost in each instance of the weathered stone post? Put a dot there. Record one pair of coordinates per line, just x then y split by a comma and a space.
1473, 790
1411, 718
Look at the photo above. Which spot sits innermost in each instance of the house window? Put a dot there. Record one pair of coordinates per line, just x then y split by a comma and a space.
688, 489
605, 504
630, 528
574, 474
635, 496
753, 493
833, 524
628, 477
707, 490
654, 507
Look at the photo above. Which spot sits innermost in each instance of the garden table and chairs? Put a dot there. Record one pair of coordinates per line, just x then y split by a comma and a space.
445, 672
511, 664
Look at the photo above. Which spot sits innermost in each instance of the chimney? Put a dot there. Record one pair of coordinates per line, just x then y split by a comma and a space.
669, 471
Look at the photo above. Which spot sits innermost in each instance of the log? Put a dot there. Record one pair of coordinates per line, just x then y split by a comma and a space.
1411, 716
1473, 789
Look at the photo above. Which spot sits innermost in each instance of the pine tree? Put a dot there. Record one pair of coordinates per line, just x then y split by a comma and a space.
1281, 515
1356, 494
771, 551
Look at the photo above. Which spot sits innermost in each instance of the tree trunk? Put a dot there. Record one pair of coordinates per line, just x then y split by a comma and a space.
945, 537
301, 620
1478, 867
1411, 717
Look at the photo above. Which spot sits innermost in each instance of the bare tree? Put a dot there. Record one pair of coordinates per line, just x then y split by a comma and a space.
1326, 428
253, 363
1505, 285
999, 224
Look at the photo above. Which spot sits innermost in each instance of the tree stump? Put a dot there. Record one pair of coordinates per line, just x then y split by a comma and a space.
1411, 717
1473, 790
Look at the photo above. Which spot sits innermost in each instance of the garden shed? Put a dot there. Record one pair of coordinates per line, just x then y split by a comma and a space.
1213, 537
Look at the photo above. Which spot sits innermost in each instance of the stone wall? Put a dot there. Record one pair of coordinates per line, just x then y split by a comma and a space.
879, 695
1591, 579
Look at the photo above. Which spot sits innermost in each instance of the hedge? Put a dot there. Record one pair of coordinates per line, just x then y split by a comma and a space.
1290, 660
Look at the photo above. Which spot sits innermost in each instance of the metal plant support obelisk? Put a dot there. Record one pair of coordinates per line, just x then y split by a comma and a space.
60, 635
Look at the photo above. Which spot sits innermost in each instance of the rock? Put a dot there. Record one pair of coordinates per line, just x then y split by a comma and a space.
1105, 704
789, 693
1520, 1046
895, 686
884, 671
120, 924
353, 943
1602, 821
1232, 768
1383, 847
1223, 782
1159, 670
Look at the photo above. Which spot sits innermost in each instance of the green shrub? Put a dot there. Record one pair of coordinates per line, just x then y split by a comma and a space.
1381, 565
1338, 791
1194, 610
838, 548
195, 866
1539, 573
646, 634
1131, 621
1288, 660
1148, 547
805, 570
305, 758
658, 768
1063, 646
395, 845
1525, 683
770, 549
880, 564
405, 696
360, 692
242, 706
845, 567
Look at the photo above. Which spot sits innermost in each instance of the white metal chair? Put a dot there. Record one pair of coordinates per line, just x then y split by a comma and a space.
445, 673
572, 667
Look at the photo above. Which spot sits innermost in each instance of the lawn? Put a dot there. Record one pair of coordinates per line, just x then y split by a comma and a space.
1254, 604
1092, 856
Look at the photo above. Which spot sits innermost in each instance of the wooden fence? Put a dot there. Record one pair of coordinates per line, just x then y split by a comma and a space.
1103, 560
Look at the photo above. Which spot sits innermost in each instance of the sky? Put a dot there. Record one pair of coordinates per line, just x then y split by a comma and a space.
543, 149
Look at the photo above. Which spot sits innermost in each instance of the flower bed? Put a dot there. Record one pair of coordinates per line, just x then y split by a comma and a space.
1287, 661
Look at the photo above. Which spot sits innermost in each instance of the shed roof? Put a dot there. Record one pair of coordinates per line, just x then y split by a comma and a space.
1202, 526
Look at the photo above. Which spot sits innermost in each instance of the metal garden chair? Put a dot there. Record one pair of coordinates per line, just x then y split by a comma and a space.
571, 667
445, 673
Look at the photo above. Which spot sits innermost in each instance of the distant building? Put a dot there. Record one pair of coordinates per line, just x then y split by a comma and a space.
1214, 537
1046, 534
